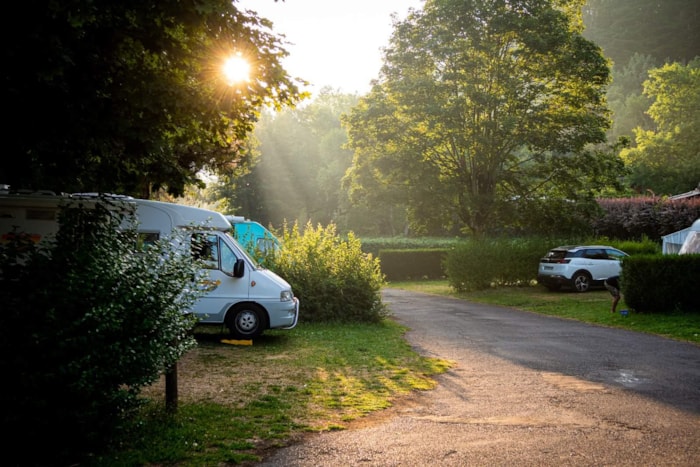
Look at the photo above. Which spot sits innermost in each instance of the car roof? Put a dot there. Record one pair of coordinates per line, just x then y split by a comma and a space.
579, 247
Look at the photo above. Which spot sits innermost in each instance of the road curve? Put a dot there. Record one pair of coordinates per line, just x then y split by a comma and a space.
527, 390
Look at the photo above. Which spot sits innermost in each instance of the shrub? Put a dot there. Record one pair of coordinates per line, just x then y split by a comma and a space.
645, 246
88, 319
413, 264
376, 244
480, 264
333, 278
645, 217
661, 283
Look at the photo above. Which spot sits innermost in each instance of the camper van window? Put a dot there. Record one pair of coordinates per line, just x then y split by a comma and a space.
41, 214
205, 248
147, 239
228, 259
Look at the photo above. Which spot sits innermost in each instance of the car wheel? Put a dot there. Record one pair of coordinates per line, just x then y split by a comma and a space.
581, 281
246, 321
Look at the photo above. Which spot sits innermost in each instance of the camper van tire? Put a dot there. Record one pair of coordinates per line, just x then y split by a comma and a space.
246, 321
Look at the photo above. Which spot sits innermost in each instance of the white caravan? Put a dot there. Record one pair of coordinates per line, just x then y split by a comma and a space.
241, 295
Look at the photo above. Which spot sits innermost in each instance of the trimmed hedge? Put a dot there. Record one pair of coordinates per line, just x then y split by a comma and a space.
374, 245
661, 283
644, 247
480, 264
413, 264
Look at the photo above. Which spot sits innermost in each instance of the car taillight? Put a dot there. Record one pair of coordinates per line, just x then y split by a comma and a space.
563, 261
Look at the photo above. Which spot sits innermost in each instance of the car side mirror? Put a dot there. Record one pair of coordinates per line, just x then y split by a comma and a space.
239, 268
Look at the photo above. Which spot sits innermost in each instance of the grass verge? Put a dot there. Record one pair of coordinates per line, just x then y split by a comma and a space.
234, 401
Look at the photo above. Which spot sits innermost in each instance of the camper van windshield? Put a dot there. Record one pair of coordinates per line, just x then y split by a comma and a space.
252, 260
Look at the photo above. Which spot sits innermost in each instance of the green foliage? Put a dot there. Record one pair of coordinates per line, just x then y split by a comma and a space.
134, 92
625, 97
375, 244
413, 264
296, 144
333, 278
661, 283
484, 110
89, 318
645, 217
476, 264
665, 159
481, 264
645, 246
329, 375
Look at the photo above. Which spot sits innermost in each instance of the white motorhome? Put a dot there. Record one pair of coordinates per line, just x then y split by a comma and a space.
241, 295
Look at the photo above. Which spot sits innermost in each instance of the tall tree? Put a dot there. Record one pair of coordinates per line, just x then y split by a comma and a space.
129, 96
485, 111
627, 102
666, 160
300, 162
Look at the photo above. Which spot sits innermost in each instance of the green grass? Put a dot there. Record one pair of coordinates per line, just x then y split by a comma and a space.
236, 400
590, 307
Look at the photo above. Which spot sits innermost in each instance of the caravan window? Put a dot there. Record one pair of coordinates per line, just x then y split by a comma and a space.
205, 248
228, 258
214, 253
146, 239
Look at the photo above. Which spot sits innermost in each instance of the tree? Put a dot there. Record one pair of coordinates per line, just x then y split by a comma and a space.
628, 104
667, 160
485, 113
299, 163
89, 319
129, 96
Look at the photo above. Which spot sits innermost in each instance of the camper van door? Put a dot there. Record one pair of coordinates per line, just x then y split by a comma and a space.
222, 286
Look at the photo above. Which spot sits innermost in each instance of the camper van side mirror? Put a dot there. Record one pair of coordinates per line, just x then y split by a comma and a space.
239, 268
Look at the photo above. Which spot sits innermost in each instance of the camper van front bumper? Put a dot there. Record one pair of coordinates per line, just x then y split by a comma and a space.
296, 314
284, 315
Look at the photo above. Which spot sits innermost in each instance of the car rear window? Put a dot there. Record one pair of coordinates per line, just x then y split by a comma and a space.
554, 255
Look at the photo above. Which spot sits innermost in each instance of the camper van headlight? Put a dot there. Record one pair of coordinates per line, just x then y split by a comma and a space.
286, 296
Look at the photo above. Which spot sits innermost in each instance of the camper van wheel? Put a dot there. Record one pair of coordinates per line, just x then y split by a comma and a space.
246, 321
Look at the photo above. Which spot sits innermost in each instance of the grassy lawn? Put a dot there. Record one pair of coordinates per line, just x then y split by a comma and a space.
236, 400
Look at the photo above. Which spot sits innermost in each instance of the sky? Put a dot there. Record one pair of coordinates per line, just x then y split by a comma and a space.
334, 43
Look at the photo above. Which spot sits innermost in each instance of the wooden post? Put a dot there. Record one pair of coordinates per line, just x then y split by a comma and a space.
171, 389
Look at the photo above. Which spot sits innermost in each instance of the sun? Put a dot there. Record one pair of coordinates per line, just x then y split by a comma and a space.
236, 69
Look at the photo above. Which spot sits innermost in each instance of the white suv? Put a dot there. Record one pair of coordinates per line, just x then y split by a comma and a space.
579, 267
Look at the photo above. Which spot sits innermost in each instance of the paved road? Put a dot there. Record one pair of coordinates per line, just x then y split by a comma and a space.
527, 390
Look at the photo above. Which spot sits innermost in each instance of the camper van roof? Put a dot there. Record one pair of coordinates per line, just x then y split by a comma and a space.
234, 219
188, 216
